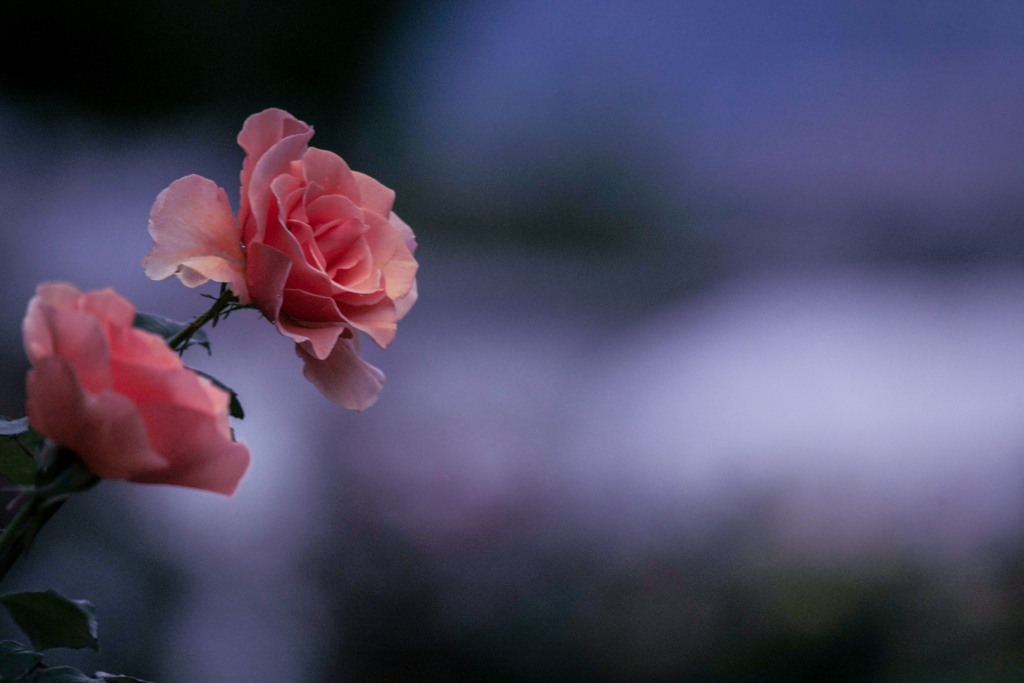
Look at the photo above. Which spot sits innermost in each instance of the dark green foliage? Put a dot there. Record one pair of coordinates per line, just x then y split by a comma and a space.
167, 328
18, 443
15, 661
51, 620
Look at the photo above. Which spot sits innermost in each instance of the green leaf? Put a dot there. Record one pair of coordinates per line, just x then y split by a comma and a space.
51, 620
111, 678
15, 463
16, 661
235, 407
18, 444
11, 427
61, 674
167, 328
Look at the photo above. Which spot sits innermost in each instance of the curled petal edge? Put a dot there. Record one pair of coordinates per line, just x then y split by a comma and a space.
343, 377
196, 237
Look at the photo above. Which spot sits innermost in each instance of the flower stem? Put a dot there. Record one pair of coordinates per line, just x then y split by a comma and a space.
14, 528
31, 518
63, 477
180, 340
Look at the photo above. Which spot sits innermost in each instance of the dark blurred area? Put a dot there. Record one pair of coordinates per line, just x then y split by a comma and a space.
125, 64
717, 372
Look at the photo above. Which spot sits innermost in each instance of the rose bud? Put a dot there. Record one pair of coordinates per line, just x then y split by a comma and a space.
120, 398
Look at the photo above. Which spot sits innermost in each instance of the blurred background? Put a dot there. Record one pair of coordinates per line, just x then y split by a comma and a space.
717, 372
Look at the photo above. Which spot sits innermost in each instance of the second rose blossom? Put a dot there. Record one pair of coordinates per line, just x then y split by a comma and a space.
316, 247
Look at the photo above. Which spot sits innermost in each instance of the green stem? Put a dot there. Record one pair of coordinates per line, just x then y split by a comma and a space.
178, 341
15, 527
62, 476
40, 514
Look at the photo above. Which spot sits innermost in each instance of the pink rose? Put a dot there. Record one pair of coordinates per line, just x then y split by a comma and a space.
120, 398
316, 247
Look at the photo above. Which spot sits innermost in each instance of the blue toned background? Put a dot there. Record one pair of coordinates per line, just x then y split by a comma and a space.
717, 372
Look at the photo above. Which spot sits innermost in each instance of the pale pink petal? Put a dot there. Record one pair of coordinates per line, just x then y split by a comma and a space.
391, 255
146, 384
352, 266
131, 345
400, 273
332, 208
375, 196
274, 162
303, 275
58, 294
106, 430
404, 230
319, 341
259, 133
196, 236
262, 131
35, 330
198, 454
350, 298
403, 305
377, 321
79, 338
290, 193
108, 305
268, 272
331, 173
343, 376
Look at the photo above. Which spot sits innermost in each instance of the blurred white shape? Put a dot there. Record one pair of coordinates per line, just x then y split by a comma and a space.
877, 406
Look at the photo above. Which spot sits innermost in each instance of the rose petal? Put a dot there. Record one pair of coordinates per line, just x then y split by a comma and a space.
391, 255
130, 345
195, 235
109, 306
377, 321
271, 164
34, 328
106, 430
259, 133
343, 376
403, 305
374, 196
142, 384
400, 272
319, 341
303, 275
331, 173
404, 230
352, 265
310, 308
332, 208
79, 338
290, 193
268, 271
198, 454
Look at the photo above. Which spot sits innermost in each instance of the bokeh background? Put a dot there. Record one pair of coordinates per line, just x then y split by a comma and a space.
717, 372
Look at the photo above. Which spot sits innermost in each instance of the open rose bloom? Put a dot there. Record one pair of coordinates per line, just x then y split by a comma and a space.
316, 247
120, 398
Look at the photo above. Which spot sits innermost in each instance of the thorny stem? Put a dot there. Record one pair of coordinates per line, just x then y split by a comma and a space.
224, 301
43, 502
14, 528
33, 514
